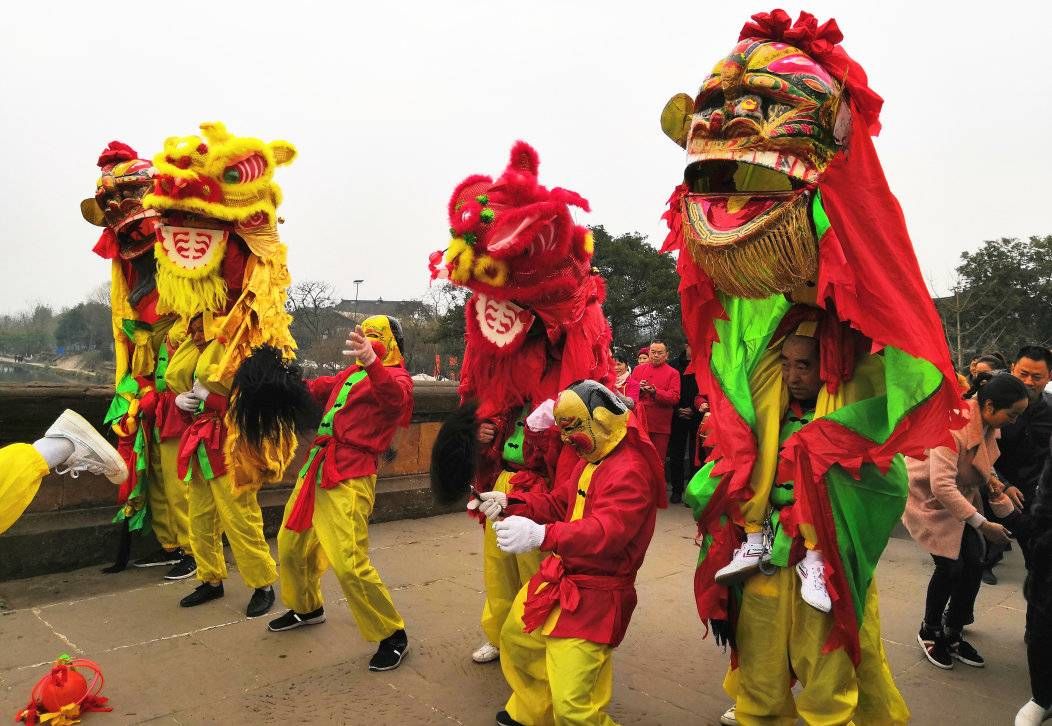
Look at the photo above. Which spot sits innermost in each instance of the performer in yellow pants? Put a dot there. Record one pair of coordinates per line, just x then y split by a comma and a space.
570, 677
169, 499
831, 692
339, 536
503, 574
216, 509
327, 517
71, 445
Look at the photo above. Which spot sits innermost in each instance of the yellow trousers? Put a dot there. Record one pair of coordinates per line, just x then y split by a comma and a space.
216, 509
780, 636
503, 574
339, 535
169, 498
563, 681
21, 470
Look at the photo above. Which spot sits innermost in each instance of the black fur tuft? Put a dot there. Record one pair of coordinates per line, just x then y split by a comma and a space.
269, 393
453, 455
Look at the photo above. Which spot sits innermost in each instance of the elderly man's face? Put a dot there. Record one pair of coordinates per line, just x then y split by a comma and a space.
658, 354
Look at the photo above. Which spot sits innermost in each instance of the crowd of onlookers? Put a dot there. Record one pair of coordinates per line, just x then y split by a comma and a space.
969, 504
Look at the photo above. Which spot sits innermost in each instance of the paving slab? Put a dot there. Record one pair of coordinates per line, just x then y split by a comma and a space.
169, 665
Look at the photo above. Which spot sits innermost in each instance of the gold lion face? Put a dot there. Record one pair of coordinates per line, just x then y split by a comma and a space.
761, 130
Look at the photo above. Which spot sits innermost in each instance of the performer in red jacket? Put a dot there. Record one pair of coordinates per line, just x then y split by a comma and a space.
597, 523
327, 517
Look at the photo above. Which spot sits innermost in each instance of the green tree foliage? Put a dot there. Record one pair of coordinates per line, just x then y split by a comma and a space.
1001, 300
642, 298
84, 327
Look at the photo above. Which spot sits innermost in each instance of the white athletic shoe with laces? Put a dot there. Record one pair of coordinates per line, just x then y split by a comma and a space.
486, 653
813, 585
91, 452
745, 562
728, 718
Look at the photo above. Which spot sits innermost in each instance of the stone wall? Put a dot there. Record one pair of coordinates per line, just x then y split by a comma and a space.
68, 524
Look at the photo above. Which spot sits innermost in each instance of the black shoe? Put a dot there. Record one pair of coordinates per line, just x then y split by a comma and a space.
292, 619
261, 603
936, 647
989, 578
184, 568
676, 498
503, 719
965, 652
202, 594
390, 653
159, 558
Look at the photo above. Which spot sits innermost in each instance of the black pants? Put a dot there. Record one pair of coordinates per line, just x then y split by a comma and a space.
682, 443
956, 583
1039, 654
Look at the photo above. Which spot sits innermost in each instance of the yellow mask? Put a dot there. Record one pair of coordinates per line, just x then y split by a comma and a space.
387, 332
591, 419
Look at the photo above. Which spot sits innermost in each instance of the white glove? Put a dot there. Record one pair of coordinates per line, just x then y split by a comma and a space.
187, 402
516, 535
542, 417
199, 390
490, 504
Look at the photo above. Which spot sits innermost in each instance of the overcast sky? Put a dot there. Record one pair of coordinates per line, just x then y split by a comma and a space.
391, 104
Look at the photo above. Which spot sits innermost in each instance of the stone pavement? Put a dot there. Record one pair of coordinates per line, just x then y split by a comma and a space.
168, 665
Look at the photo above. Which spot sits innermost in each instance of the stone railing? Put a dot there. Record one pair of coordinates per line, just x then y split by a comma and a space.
68, 524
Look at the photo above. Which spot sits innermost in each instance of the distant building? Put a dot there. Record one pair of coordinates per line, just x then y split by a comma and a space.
395, 308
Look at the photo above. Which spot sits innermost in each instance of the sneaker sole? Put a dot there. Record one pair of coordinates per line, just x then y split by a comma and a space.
972, 663
737, 575
487, 659
78, 425
937, 664
401, 657
144, 565
181, 577
299, 623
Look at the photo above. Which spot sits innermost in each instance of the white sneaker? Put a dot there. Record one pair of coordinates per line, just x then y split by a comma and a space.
486, 653
728, 718
1031, 714
91, 452
746, 562
813, 585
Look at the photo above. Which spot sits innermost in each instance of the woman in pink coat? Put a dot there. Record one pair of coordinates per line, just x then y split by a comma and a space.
944, 516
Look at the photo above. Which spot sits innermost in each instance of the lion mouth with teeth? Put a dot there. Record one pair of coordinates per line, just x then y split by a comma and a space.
759, 133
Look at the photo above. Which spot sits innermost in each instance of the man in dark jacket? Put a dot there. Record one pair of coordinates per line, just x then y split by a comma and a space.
684, 436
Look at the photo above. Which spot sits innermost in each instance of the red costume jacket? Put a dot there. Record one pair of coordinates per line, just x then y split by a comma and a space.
659, 404
365, 426
593, 577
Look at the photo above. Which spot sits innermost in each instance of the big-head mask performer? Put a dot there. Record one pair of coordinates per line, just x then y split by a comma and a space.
784, 217
534, 324
557, 643
144, 337
326, 520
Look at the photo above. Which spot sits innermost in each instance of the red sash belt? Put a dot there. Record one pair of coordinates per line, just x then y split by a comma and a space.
563, 590
207, 429
302, 514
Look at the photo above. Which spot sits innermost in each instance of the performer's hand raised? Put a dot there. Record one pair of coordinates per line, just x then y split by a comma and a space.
359, 347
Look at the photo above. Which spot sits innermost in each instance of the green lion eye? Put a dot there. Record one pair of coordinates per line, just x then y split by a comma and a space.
231, 175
